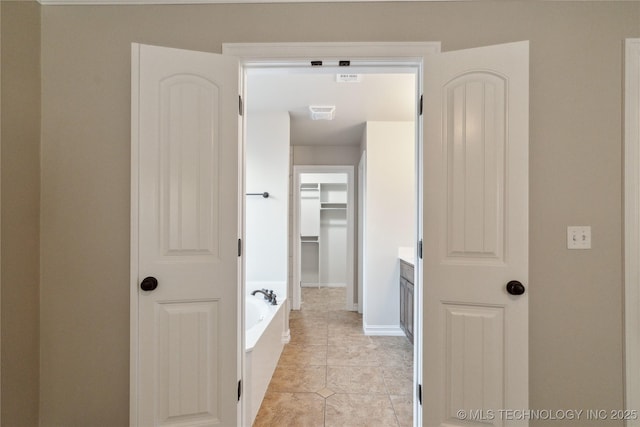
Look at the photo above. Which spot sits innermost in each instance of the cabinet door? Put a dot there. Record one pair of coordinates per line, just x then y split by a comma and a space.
408, 317
403, 296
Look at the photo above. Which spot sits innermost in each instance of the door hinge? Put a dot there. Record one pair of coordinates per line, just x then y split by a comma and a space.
419, 394
239, 247
420, 248
239, 389
420, 106
240, 106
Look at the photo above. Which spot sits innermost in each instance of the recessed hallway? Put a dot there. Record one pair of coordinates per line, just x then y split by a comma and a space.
331, 374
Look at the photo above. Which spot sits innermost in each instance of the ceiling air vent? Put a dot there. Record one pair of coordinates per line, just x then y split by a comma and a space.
348, 78
322, 112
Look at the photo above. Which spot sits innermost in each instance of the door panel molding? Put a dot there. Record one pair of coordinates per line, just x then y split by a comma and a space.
188, 149
469, 329
475, 192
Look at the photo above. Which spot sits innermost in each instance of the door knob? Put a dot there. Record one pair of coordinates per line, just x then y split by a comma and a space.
515, 288
149, 283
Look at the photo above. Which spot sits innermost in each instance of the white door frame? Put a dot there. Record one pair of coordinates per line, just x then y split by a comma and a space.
362, 194
632, 226
272, 55
297, 171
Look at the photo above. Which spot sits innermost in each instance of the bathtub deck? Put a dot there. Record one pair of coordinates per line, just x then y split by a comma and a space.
331, 374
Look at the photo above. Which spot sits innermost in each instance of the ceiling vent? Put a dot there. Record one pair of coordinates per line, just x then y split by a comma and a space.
348, 78
322, 112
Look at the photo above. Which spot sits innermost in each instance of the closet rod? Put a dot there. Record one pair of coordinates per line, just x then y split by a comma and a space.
265, 194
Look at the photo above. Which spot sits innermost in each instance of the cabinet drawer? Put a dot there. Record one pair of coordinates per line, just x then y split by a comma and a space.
406, 271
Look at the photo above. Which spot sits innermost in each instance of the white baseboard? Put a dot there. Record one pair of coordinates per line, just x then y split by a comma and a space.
286, 336
383, 330
323, 285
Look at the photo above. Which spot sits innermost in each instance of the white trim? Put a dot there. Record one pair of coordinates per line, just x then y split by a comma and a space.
184, 2
418, 290
632, 225
1, 238
362, 173
324, 285
286, 336
349, 170
383, 330
133, 305
295, 245
244, 372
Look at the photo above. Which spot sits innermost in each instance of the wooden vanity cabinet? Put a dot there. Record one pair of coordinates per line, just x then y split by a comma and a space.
406, 299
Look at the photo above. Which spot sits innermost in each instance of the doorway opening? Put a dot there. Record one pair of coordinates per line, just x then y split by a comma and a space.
403, 64
323, 216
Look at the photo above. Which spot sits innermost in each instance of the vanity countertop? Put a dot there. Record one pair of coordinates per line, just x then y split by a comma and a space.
407, 254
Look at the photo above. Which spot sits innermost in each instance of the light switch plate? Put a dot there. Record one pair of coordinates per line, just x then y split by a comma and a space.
579, 237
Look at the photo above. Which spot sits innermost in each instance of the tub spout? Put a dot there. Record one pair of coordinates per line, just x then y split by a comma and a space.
263, 292
268, 295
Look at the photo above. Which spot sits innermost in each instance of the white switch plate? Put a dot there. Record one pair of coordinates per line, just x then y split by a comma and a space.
579, 237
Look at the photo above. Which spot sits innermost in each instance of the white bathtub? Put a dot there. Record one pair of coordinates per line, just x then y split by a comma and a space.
265, 336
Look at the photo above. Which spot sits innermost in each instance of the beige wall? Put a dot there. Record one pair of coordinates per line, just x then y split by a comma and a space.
326, 155
20, 191
576, 101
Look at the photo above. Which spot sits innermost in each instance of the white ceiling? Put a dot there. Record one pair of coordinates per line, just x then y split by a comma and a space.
384, 97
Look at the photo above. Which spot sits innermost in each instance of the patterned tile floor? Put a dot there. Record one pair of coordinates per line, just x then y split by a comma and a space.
331, 374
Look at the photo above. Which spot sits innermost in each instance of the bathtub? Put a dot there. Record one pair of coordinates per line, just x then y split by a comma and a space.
265, 336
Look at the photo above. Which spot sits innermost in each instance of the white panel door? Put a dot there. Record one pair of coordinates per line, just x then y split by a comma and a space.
476, 236
184, 234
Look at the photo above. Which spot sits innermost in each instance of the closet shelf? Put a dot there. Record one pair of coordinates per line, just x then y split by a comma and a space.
324, 206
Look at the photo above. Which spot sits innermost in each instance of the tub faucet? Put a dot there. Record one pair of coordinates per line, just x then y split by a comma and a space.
268, 295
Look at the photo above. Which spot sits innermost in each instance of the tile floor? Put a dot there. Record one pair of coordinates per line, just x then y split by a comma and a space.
331, 374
